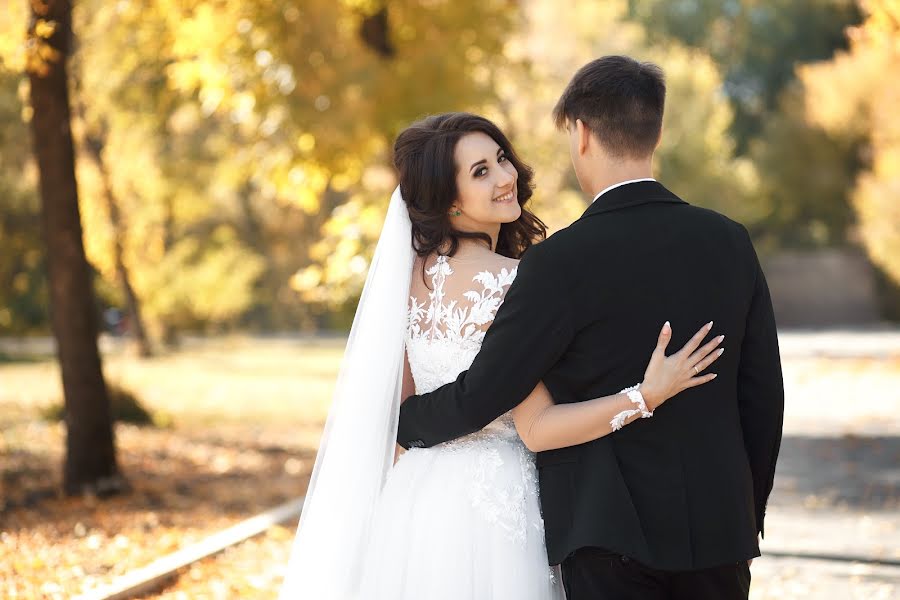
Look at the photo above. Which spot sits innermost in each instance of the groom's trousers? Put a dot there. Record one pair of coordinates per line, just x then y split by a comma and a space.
595, 574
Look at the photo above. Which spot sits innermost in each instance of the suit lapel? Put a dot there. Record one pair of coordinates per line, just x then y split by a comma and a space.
631, 194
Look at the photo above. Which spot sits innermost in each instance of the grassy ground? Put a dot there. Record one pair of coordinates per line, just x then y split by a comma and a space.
245, 419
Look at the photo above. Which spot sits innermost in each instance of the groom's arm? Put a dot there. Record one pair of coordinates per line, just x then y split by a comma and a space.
760, 390
531, 331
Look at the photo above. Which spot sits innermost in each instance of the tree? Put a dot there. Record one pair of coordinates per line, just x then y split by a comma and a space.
94, 141
247, 142
759, 47
696, 158
806, 177
265, 125
90, 462
756, 44
856, 94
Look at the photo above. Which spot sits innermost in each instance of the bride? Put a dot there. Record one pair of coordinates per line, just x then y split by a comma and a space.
460, 520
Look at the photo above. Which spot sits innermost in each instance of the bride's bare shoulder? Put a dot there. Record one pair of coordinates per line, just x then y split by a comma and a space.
504, 262
492, 262
510, 263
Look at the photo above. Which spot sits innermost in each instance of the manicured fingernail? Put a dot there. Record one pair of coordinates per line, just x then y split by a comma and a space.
721, 350
714, 375
666, 326
709, 325
721, 337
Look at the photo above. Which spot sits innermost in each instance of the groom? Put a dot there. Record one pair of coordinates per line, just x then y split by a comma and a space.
668, 507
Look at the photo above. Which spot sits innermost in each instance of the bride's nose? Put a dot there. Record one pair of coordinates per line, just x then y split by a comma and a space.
505, 179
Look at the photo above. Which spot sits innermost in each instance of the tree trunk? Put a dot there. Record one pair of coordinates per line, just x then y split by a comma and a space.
94, 142
90, 463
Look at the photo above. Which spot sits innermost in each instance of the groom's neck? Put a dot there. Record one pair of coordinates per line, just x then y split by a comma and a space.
609, 173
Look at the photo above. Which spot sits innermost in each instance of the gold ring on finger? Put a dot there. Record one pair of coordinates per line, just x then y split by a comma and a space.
696, 370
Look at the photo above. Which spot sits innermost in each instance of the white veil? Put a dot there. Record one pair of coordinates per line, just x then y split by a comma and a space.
358, 442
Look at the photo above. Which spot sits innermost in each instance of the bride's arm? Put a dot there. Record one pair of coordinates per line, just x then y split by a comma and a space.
543, 425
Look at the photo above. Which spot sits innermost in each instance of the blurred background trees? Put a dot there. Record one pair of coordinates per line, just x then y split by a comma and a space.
234, 156
855, 96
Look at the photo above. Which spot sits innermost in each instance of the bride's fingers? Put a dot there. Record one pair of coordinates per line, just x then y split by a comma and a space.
665, 336
695, 381
703, 352
708, 360
694, 342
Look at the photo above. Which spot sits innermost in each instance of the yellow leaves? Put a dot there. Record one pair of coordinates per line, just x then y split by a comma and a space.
243, 104
338, 273
878, 210
47, 53
306, 142
44, 28
198, 31
365, 7
304, 186
39, 55
342, 182
31, 52
857, 94
474, 54
307, 200
305, 282
836, 91
852, 89
883, 23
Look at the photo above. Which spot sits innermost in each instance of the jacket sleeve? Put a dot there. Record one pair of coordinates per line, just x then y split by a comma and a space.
531, 331
760, 390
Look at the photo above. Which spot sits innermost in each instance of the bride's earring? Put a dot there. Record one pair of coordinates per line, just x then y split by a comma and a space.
456, 213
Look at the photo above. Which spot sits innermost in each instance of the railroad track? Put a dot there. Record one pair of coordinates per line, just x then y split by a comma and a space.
149, 578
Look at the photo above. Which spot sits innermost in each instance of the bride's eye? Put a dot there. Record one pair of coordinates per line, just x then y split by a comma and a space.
501, 158
481, 172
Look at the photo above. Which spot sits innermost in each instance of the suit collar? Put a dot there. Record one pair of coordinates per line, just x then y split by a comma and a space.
620, 184
631, 194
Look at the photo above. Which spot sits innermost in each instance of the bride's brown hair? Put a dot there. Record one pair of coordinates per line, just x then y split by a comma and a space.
424, 159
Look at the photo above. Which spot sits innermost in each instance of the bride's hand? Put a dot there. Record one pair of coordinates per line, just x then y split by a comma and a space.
667, 375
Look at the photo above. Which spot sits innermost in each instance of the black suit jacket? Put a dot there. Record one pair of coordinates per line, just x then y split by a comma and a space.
686, 489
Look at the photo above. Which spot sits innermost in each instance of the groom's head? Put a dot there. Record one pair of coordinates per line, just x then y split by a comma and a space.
613, 111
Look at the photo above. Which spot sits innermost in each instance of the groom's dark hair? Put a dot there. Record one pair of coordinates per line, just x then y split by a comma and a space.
620, 100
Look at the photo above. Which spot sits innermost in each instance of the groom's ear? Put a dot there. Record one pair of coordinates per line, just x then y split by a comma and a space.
583, 136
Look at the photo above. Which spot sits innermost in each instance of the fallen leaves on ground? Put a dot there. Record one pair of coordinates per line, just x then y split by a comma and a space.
186, 484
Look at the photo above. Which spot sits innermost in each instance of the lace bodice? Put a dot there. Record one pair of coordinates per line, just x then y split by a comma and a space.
444, 333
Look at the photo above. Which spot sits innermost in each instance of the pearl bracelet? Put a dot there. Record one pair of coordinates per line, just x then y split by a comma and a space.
634, 394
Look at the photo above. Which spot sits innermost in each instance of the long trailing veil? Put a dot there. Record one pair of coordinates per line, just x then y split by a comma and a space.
358, 442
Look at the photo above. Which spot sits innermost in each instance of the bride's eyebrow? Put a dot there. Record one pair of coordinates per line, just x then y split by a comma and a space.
483, 161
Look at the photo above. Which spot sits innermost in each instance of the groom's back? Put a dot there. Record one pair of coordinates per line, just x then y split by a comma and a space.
676, 491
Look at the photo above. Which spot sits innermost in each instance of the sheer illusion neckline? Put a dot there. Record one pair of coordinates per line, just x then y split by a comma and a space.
464, 314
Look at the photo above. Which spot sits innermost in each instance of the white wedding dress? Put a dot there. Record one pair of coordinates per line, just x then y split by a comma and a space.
461, 520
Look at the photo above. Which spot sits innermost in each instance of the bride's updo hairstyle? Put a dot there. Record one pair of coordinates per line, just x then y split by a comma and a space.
424, 159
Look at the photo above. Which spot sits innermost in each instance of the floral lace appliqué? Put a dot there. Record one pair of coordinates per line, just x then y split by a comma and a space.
450, 321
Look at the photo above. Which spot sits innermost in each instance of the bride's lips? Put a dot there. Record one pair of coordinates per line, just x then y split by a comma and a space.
506, 198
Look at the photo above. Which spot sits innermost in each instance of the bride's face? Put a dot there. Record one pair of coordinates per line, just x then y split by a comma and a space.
486, 182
